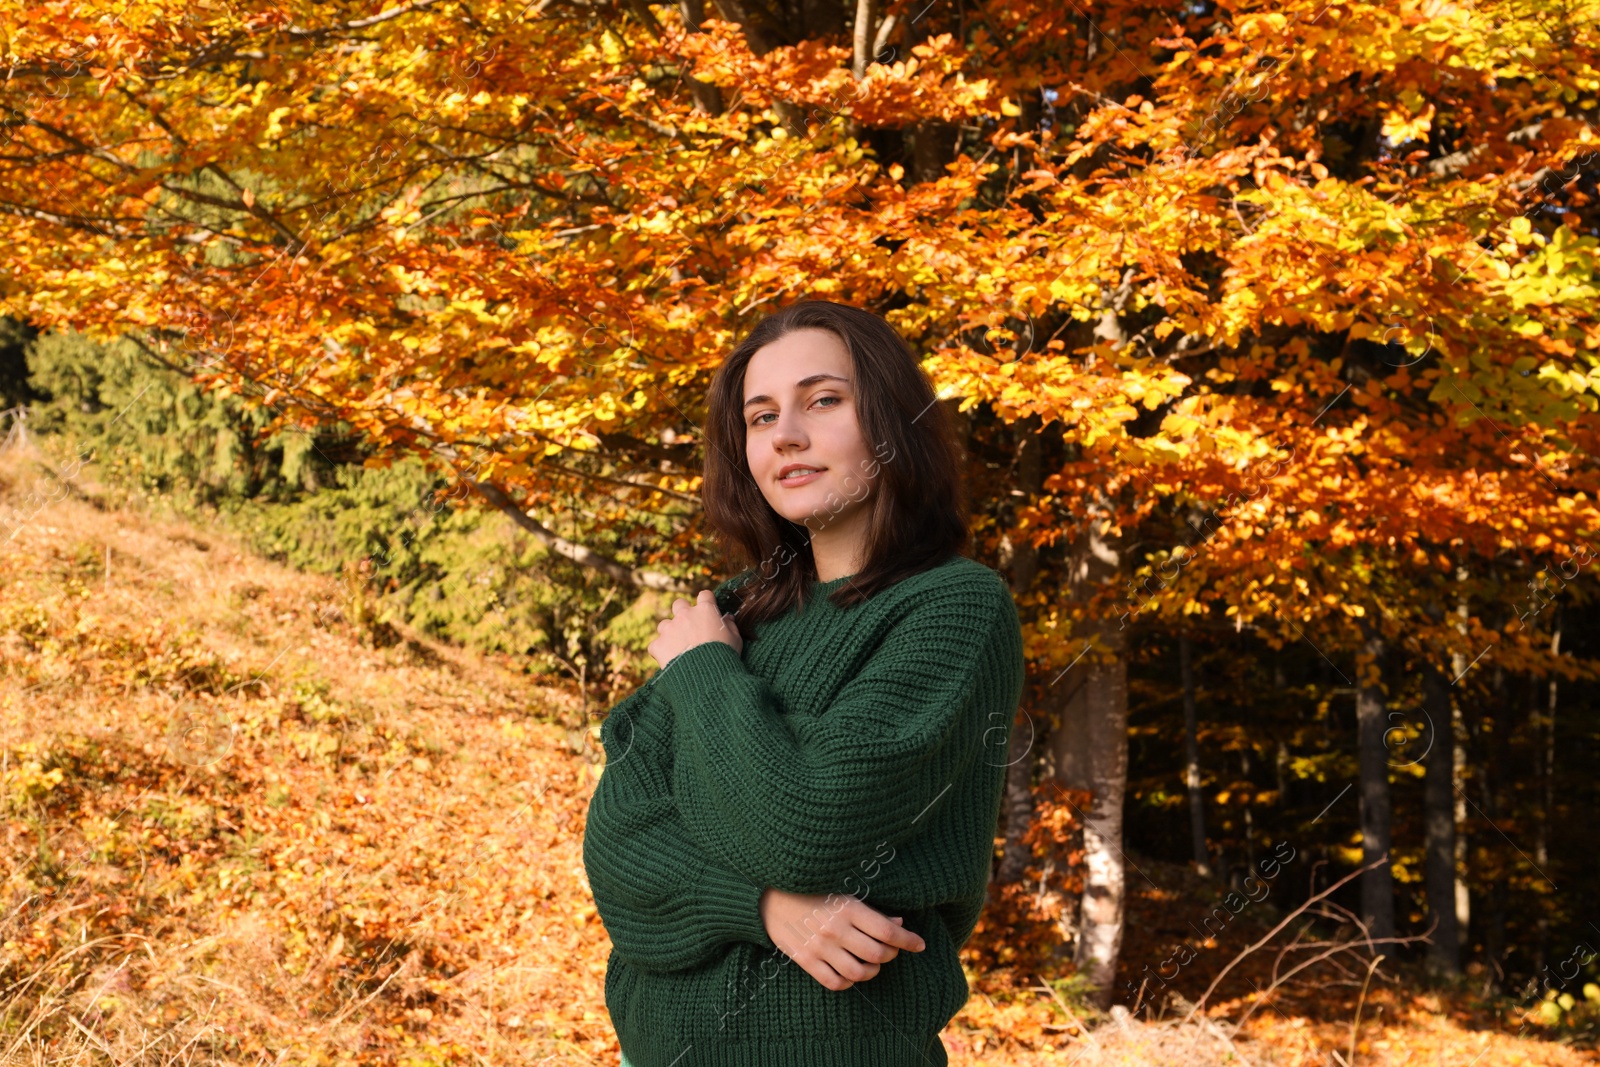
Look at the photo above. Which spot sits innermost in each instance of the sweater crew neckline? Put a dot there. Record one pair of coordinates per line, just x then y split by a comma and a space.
830, 586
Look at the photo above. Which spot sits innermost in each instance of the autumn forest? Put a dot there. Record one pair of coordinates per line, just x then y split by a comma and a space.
1271, 331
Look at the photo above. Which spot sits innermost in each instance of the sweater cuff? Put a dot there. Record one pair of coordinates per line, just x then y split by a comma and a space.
733, 905
693, 674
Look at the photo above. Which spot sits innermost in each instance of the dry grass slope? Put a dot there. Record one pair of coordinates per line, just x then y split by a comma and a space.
233, 832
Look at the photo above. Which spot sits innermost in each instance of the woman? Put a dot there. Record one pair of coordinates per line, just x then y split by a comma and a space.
827, 727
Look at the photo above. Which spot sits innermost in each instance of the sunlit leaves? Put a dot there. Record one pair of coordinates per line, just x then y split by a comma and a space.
1324, 268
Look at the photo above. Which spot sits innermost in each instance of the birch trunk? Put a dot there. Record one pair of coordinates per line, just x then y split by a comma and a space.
1092, 754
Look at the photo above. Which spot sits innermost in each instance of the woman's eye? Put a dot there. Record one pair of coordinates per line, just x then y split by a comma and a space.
757, 421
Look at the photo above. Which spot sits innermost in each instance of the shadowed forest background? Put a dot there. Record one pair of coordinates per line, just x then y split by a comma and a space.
353, 361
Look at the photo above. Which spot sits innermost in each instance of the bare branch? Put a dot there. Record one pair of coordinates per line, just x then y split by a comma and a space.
361, 24
580, 554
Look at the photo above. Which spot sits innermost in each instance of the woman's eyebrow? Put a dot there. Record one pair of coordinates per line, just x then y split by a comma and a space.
801, 384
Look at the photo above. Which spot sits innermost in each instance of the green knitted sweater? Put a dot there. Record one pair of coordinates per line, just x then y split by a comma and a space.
856, 751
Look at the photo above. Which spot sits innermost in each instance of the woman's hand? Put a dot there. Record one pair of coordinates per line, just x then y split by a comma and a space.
836, 939
693, 624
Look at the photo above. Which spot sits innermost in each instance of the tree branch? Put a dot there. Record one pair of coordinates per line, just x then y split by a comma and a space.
579, 554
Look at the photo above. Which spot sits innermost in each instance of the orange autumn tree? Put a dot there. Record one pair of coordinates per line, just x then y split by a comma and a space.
1157, 255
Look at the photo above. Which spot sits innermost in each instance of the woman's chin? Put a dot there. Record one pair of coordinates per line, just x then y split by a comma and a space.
797, 505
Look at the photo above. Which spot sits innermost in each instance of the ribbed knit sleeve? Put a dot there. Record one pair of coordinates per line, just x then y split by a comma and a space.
799, 802
666, 904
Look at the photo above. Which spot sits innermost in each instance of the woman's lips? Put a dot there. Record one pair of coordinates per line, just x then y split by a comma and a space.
801, 479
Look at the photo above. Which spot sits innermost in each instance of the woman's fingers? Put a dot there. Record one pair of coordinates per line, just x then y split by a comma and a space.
866, 948
858, 948
879, 926
851, 968
818, 968
819, 964
836, 939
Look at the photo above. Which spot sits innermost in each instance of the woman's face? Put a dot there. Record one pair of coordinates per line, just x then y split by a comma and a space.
800, 410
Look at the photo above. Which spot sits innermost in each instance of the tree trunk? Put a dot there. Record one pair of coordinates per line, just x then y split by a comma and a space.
1377, 885
1191, 745
930, 143
1494, 938
1249, 816
1092, 753
866, 30
1458, 780
821, 18
932, 148
1439, 870
1017, 813
1100, 744
707, 97
1545, 760
1493, 737
763, 39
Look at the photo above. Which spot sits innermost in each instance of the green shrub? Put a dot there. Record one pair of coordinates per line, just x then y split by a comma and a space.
408, 542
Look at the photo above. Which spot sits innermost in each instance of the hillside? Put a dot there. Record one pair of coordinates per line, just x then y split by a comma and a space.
236, 832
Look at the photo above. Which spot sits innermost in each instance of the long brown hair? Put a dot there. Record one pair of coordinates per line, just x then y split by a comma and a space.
918, 516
